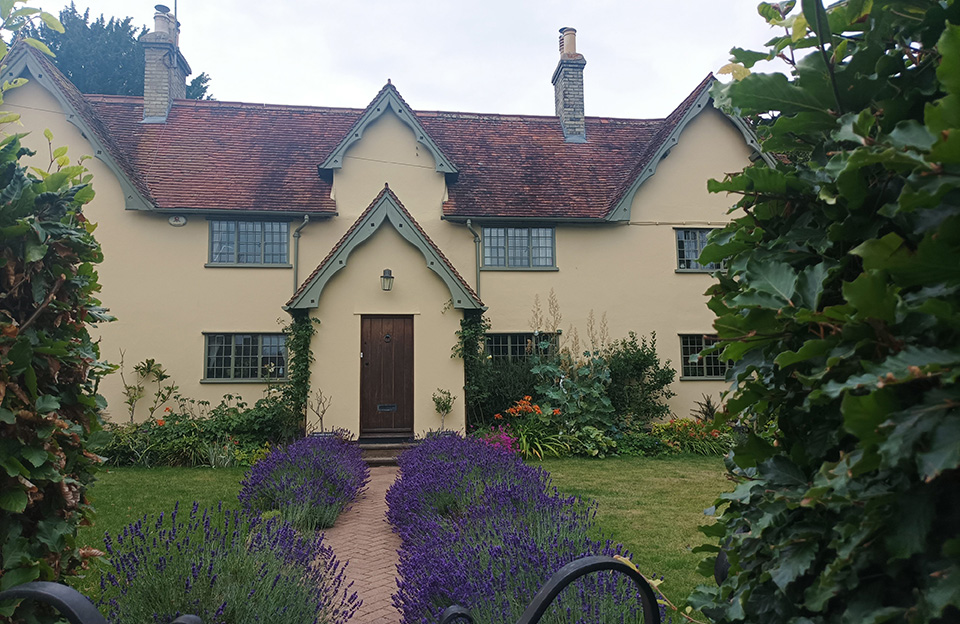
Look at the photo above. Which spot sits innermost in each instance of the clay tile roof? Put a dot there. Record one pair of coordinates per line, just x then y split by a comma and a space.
233, 156
212, 155
358, 223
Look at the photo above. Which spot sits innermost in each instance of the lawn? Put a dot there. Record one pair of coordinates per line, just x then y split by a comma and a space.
652, 506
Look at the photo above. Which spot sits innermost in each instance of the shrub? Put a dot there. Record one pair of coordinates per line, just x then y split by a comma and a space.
225, 567
499, 437
838, 310
692, 436
639, 383
309, 482
578, 388
50, 425
481, 529
642, 444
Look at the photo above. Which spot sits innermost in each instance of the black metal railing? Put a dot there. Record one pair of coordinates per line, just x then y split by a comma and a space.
559, 581
73, 605
78, 609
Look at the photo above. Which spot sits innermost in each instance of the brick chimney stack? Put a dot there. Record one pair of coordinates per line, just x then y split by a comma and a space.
165, 75
568, 88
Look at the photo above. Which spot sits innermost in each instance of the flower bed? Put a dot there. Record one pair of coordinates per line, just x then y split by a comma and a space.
223, 567
483, 530
309, 482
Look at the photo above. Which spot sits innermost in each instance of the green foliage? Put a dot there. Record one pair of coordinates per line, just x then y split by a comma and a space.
642, 444
104, 55
49, 368
443, 403
293, 395
838, 308
578, 388
693, 436
639, 384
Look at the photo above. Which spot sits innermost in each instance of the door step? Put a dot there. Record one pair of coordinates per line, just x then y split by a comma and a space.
378, 453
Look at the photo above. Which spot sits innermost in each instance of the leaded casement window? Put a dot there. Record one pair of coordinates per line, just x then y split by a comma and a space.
519, 247
245, 357
249, 243
514, 347
696, 364
690, 242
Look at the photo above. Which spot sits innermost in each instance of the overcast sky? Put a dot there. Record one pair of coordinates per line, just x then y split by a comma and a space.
486, 56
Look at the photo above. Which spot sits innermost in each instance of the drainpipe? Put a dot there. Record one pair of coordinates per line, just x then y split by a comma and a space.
296, 251
476, 244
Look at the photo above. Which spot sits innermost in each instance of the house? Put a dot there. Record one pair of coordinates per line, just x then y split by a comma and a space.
221, 219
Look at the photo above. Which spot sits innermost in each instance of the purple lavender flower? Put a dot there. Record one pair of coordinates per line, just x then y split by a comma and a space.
309, 482
481, 529
225, 567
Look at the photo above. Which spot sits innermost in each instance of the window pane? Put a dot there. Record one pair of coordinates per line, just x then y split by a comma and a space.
223, 235
688, 249
518, 247
696, 365
275, 243
246, 357
541, 246
218, 356
250, 242
273, 363
494, 247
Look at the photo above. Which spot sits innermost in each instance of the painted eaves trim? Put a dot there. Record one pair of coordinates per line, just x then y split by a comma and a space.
386, 208
20, 62
389, 99
621, 212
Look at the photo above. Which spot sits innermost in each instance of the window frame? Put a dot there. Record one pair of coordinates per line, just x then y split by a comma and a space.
530, 254
517, 342
233, 365
699, 268
263, 243
703, 363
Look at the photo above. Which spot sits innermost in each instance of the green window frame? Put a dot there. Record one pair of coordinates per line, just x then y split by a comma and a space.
249, 243
690, 244
695, 364
230, 357
524, 247
515, 347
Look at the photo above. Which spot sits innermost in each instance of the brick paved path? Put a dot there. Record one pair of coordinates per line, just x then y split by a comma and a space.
362, 537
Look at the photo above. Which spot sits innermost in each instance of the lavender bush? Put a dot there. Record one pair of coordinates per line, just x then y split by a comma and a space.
481, 529
226, 567
309, 482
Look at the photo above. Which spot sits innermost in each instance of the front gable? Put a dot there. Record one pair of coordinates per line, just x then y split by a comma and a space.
23, 62
667, 139
386, 208
388, 99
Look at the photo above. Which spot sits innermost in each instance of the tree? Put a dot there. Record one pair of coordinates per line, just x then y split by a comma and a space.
104, 56
838, 307
50, 421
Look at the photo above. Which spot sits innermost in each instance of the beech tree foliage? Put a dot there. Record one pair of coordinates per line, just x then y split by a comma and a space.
839, 309
49, 366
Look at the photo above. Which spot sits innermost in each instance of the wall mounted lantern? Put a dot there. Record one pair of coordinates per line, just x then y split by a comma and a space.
386, 280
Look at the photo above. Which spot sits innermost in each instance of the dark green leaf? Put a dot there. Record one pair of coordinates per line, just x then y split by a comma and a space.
944, 453
793, 561
48, 403
14, 501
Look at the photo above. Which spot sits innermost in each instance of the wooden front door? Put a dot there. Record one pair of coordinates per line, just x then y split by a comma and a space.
386, 375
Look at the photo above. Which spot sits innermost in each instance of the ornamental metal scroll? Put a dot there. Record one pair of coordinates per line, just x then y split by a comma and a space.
76, 607
559, 581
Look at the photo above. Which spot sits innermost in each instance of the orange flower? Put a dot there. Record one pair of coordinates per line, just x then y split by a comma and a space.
536, 408
498, 416
166, 409
161, 422
527, 398
556, 412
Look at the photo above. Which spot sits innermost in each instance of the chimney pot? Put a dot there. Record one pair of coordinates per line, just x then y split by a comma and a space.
568, 41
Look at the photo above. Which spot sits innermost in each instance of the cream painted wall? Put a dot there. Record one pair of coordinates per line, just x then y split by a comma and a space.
417, 291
